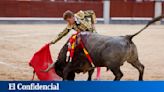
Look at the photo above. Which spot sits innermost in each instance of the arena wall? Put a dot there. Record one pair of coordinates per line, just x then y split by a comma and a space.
120, 10
131, 9
163, 8
46, 8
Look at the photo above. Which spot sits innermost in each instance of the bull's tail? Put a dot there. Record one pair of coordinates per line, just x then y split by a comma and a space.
148, 24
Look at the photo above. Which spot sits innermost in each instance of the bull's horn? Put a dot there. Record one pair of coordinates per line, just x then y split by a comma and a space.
49, 67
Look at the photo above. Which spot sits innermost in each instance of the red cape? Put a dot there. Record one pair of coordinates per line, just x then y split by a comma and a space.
40, 61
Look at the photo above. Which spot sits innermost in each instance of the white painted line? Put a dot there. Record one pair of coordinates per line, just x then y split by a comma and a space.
61, 19
37, 18
12, 66
28, 18
131, 18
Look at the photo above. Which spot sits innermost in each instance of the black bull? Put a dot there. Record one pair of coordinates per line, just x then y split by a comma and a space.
105, 51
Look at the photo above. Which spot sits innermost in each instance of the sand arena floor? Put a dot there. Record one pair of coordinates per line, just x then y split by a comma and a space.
18, 43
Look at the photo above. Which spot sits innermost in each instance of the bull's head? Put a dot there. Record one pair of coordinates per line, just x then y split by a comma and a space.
59, 67
60, 62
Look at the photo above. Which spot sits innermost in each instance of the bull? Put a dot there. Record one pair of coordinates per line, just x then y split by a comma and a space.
105, 51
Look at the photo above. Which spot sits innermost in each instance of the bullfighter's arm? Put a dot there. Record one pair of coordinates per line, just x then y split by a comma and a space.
91, 14
61, 35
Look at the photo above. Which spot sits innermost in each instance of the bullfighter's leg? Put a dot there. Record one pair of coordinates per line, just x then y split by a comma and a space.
140, 67
90, 74
117, 73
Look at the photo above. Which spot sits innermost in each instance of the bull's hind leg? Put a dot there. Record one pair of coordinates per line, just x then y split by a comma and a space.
140, 67
117, 73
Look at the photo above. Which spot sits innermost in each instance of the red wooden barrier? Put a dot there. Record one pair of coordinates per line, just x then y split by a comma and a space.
119, 8
46, 8
163, 8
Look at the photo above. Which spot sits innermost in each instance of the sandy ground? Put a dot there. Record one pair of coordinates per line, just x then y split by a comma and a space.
18, 43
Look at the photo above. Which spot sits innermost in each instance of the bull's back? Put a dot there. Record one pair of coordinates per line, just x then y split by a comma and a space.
106, 47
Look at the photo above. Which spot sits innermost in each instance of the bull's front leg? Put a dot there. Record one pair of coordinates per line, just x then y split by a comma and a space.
66, 72
90, 74
71, 76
